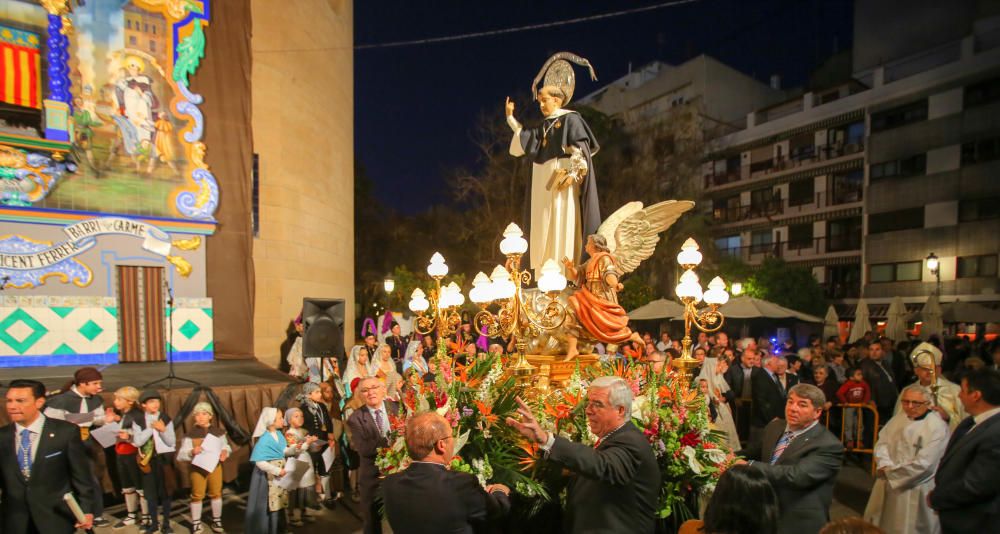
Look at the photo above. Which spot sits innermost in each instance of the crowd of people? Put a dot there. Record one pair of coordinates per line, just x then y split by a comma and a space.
924, 410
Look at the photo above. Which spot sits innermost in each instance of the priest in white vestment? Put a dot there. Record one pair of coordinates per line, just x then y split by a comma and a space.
909, 448
927, 367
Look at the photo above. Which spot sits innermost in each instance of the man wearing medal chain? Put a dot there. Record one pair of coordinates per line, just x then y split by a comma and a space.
616, 482
562, 192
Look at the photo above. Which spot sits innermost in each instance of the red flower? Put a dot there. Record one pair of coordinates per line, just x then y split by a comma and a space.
440, 399
691, 439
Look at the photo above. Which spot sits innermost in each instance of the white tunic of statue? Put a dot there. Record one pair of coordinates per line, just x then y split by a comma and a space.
910, 451
555, 214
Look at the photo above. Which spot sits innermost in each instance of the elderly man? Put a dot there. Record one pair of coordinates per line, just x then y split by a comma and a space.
427, 497
369, 426
800, 458
966, 494
616, 482
908, 451
944, 392
768, 396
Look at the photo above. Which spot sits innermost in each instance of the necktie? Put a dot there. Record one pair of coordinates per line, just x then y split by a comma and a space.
379, 422
780, 447
24, 459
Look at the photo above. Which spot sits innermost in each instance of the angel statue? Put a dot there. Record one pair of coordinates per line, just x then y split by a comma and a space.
621, 243
562, 189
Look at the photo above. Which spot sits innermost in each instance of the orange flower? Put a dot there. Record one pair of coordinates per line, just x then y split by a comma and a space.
531, 451
463, 376
559, 411
571, 399
487, 413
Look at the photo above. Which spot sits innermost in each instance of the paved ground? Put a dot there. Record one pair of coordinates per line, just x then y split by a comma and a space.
850, 495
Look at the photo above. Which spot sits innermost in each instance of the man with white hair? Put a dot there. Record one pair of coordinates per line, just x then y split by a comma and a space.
617, 481
944, 393
910, 446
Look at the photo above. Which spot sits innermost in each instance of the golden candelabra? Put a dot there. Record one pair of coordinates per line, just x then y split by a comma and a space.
437, 310
519, 315
708, 319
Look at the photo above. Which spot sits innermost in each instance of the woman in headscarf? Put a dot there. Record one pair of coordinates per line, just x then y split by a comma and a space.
415, 358
266, 500
386, 371
713, 371
358, 366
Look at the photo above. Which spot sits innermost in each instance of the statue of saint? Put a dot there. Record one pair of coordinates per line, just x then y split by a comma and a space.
562, 192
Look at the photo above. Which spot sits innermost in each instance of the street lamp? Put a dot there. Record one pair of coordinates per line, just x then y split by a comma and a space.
443, 303
689, 291
736, 289
388, 284
934, 266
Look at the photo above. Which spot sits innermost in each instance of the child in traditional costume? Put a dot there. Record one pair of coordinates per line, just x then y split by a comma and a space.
266, 500
308, 485
201, 480
154, 426
128, 413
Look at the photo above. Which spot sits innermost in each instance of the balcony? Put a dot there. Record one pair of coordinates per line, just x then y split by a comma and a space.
841, 290
797, 250
803, 157
793, 206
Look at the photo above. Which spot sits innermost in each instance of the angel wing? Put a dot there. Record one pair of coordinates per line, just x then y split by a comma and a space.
637, 230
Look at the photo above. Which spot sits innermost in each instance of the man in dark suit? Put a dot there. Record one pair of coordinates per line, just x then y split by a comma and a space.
801, 459
398, 344
768, 396
41, 459
616, 481
369, 426
738, 377
966, 494
428, 498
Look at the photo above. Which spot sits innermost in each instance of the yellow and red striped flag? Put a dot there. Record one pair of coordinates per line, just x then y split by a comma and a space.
20, 60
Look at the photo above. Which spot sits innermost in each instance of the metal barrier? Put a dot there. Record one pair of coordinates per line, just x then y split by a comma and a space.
859, 433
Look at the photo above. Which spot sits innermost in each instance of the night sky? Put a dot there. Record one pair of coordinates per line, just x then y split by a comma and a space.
415, 105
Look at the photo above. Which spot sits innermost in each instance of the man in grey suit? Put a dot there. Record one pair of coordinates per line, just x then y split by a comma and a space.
41, 459
801, 459
616, 481
967, 496
369, 426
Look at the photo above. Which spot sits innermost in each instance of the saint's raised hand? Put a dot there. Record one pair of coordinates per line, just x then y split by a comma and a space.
509, 107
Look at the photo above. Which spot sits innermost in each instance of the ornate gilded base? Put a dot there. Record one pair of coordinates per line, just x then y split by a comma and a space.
553, 372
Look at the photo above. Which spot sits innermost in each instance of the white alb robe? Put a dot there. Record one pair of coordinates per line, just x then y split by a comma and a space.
909, 451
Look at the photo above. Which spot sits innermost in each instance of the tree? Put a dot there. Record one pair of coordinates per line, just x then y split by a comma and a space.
787, 284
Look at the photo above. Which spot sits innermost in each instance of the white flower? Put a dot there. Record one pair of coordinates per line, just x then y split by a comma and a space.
692, 459
715, 455
640, 409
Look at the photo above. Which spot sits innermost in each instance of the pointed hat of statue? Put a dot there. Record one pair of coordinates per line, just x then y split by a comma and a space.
558, 72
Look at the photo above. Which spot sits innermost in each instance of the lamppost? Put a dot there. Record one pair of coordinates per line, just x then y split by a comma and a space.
690, 293
518, 315
443, 302
736, 288
934, 266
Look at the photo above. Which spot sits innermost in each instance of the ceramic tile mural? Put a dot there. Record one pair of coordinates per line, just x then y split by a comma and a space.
40, 330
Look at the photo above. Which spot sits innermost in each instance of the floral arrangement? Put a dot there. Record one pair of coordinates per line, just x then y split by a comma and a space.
477, 398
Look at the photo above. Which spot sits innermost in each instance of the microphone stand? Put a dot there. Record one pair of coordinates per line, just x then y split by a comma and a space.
171, 376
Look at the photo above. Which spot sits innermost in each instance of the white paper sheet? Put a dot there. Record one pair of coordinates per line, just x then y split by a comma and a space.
294, 471
106, 435
328, 457
161, 446
211, 452
80, 418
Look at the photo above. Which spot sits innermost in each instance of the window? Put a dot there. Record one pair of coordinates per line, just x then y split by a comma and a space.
979, 209
911, 166
843, 234
893, 221
979, 151
152, 46
761, 241
728, 245
128, 24
900, 116
132, 40
145, 28
726, 209
801, 192
846, 187
977, 266
800, 236
849, 134
154, 29
982, 93
908, 271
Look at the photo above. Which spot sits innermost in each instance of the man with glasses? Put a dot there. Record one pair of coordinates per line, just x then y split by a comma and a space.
907, 454
426, 497
369, 432
617, 481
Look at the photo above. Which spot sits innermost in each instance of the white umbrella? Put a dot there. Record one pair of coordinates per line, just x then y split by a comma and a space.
751, 308
657, 309
831, 324
968, 312
931, 315
895, 322
861, 322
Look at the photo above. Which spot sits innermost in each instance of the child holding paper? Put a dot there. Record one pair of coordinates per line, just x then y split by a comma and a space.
127, 414
191, 448
296, 436
319, 425
267, 500
153, 435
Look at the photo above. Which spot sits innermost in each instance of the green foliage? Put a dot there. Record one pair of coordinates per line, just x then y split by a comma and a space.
787, 284
635, 293
189, 54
